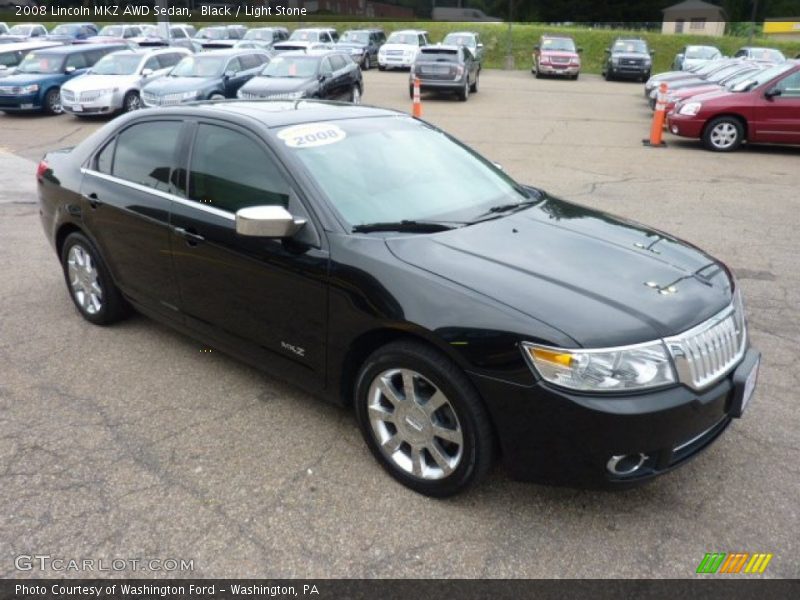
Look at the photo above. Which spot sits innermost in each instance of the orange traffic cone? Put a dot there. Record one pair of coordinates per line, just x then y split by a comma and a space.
416, 107
657, 127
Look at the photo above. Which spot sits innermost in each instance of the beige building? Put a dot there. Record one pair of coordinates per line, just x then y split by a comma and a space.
783, 29
696, 17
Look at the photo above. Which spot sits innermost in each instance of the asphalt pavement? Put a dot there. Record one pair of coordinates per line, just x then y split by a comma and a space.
132, 442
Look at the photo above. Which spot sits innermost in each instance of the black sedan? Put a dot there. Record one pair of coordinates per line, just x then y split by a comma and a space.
446, 69
379, 263
322, 74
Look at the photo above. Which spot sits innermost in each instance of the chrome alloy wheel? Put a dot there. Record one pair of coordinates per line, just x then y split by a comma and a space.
724, 135
83, 275
414, 424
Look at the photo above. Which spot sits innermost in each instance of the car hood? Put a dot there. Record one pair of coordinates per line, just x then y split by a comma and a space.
716, 94
399, 47
275, 85
691, 62
349, 45
600, 280
30, 78
99, 82
58, 38
169, 85
8, 72
696, 91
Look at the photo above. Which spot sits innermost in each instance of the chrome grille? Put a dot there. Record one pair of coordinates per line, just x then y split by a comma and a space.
560, 59
165, 100
67, 96
249, 96
706, 353
90, 96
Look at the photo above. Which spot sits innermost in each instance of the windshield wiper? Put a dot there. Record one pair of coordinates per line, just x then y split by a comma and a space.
403, 226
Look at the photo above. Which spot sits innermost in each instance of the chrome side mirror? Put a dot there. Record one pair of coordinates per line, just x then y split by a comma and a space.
147, 72
267, 221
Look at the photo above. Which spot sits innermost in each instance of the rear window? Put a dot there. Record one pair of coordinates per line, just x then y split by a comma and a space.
441, 54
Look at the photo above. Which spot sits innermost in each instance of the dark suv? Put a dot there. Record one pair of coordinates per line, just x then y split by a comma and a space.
628, 59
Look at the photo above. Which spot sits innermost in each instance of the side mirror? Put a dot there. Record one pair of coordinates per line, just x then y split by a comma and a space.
480, 44
69, 70
536, 47
229, 74
772, 93
652, 52
607, 50
267, 222
580, 49
147, 72
324, 76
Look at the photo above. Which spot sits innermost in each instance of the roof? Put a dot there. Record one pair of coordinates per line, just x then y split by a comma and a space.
75, 48
227, 52
410, 31
690, 5
27, 46
280, 113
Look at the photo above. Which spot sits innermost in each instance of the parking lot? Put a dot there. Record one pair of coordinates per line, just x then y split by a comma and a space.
133, 441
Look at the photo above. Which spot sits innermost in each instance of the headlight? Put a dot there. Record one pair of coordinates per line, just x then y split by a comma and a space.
690, 109
603, 370
29, 89
188, 95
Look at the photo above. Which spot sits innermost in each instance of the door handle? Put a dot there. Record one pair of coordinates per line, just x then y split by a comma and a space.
190, 235
94, 201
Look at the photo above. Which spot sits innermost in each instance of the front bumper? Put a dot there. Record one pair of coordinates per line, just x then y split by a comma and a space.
396, 61
685, 126
629, 71
555, 436
564, 70
27, 103
100, 106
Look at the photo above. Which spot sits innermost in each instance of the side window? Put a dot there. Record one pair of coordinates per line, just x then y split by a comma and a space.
169, 60
234, 65
790, 86
9, 59
422, 40
104, 158
178, 33
77, 60
338, 62
223, 173
740, 53
153, 64
145, 153
325, 67
249, 61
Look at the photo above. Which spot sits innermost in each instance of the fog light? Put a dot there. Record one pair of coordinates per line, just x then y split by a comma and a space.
675, 129
625, 464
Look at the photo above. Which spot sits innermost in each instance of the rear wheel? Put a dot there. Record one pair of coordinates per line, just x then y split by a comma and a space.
463, 94
723, 134
367, 62
52, 102
474, 87
89, 282
423, 420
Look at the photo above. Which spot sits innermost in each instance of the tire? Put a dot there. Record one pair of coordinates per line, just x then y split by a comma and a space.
52, 102
216, 96
474, 87
355, 95
381, 68
367, 62
463, 94
537, 74
575, 77
410, 449
131, 102
89, 283
723, 134
607, 75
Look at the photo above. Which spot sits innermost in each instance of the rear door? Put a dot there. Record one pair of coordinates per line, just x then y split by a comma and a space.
777, 119
126, 194
265, 296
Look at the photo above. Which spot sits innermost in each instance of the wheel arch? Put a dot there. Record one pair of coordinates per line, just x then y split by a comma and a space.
63, 232
734, 115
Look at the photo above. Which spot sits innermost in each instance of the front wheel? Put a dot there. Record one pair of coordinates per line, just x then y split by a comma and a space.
723, 134
423, 420
463, 94
381, 68
89, 282
131, 102
474, 87
355, 95
367, 63
52, 102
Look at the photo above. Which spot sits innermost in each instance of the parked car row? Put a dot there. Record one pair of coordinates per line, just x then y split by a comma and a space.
727, 102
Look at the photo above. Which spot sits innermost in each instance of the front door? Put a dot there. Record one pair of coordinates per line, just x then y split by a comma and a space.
265, 296
777, 118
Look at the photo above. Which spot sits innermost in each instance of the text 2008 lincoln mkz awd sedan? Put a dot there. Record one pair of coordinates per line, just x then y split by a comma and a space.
377, 262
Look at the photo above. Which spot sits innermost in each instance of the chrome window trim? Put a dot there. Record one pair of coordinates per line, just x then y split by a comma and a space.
165, 195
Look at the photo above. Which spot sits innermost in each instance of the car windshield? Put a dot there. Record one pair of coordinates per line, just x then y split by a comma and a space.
112, 31
117, 64
732, 81
42, 63
558, 44
459, 39
403, 38
301, 67
710, 67
702, 52
66, 30
199, 66
396, 168
212, 33
23, 30
355, 37
258, 34
304, 35
767, 54
636, 46
761, 78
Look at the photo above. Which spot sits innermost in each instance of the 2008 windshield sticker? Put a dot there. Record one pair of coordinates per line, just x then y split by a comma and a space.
312, 135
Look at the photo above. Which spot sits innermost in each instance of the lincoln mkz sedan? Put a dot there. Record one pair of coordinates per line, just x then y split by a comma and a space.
375, 261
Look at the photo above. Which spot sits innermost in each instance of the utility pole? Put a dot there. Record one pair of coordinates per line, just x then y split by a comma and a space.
752, 23
163, 20
510, 53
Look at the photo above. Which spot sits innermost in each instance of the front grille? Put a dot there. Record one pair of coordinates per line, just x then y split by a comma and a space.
90, 96
249, 96
706, 353
394, 53
560, 59
67, 96
165, 100
629, 62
